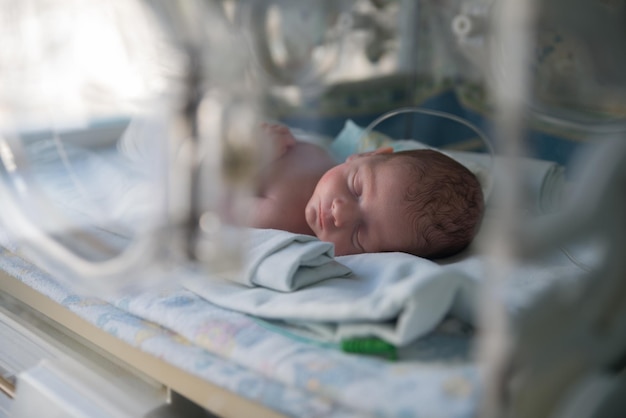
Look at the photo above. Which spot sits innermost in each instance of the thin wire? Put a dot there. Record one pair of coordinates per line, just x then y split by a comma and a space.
294, 335
75, 178
437, 113
430, 112
574, 260
7, 387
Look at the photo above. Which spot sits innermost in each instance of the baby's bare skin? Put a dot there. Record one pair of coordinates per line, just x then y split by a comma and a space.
373, 202
286, 186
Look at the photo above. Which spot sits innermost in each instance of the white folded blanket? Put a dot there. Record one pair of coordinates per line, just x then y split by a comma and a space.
393, 296
285, 262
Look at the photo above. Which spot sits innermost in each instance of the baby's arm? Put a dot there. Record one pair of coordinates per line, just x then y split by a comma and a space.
279, 138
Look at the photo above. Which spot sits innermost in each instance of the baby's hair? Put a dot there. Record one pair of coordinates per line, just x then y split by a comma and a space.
445, 201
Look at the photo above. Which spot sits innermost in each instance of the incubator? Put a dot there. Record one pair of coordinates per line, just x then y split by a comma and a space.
130, 151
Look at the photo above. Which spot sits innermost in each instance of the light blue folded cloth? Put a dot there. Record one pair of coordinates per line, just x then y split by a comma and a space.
394, 296
284, 261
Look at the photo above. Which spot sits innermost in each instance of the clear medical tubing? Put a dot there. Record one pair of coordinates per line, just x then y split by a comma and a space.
377, 123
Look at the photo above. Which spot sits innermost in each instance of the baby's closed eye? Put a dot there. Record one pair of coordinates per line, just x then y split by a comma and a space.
356, 186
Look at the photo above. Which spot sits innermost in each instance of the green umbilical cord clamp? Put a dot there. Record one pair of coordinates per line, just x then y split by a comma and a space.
371, 346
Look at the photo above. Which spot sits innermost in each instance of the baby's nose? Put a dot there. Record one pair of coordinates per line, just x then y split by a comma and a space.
344, 212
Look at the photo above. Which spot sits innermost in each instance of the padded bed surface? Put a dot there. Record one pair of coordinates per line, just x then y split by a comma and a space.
434, 376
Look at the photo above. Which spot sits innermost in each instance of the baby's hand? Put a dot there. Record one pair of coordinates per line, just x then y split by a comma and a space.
281, 138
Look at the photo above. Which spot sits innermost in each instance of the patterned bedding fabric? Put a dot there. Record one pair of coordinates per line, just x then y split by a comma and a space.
433, 377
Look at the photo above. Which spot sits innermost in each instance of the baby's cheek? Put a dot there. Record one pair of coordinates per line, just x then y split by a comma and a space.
325, 180
310, 215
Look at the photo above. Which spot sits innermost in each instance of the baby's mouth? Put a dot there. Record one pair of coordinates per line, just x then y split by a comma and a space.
320, 216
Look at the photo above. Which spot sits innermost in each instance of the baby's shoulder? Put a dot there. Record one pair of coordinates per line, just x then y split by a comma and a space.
297, 172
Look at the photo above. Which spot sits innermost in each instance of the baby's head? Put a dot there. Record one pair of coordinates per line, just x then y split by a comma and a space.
419, 202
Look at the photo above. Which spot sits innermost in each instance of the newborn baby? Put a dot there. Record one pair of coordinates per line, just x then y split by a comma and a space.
420, 202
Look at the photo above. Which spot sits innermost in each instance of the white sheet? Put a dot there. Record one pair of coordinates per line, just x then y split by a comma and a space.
393, 296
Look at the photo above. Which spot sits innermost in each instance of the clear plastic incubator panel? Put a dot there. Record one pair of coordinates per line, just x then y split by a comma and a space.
123, 125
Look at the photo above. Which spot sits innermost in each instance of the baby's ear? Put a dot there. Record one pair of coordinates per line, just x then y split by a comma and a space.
381, 150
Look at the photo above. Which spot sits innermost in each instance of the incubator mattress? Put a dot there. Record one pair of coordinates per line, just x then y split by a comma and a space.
434, 376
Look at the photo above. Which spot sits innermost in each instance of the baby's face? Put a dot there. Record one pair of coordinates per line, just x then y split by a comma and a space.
360, 206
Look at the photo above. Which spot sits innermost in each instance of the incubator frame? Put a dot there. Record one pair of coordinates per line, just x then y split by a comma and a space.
513, 355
